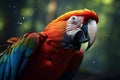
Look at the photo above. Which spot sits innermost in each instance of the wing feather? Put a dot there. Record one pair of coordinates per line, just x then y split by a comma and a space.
14, 58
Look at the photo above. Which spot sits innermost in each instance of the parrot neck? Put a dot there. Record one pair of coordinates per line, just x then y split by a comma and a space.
69, 43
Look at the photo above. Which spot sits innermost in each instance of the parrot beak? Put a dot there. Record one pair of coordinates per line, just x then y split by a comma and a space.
86, 34
90, 30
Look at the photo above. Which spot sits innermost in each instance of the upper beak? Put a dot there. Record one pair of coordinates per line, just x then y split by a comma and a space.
92, 29
87, 33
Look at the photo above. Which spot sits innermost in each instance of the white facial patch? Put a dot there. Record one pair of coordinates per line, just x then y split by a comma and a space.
74, 24
72, 32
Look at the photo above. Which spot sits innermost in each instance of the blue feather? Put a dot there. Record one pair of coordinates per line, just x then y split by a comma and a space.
7, 69
15, 58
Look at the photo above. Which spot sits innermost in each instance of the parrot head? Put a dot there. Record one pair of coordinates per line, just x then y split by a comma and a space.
76, 27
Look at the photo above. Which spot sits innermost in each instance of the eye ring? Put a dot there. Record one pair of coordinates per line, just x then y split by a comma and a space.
73, 18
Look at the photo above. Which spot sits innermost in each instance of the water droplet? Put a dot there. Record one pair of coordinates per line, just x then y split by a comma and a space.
94, 62
20, 23
14, 6
23, 17
35, 8
38, 1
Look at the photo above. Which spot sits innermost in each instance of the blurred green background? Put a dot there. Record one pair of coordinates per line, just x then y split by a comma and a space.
101, 61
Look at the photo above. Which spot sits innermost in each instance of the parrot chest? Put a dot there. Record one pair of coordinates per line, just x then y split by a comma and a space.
54, 60
49, 62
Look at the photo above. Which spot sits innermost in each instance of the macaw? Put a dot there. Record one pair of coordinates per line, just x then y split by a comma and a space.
53, 54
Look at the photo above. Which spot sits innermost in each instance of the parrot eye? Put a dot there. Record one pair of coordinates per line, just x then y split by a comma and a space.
73, 19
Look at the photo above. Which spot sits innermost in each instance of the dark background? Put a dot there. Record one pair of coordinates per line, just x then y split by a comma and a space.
101, 62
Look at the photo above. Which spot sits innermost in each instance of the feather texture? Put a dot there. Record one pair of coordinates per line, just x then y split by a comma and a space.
16, 56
